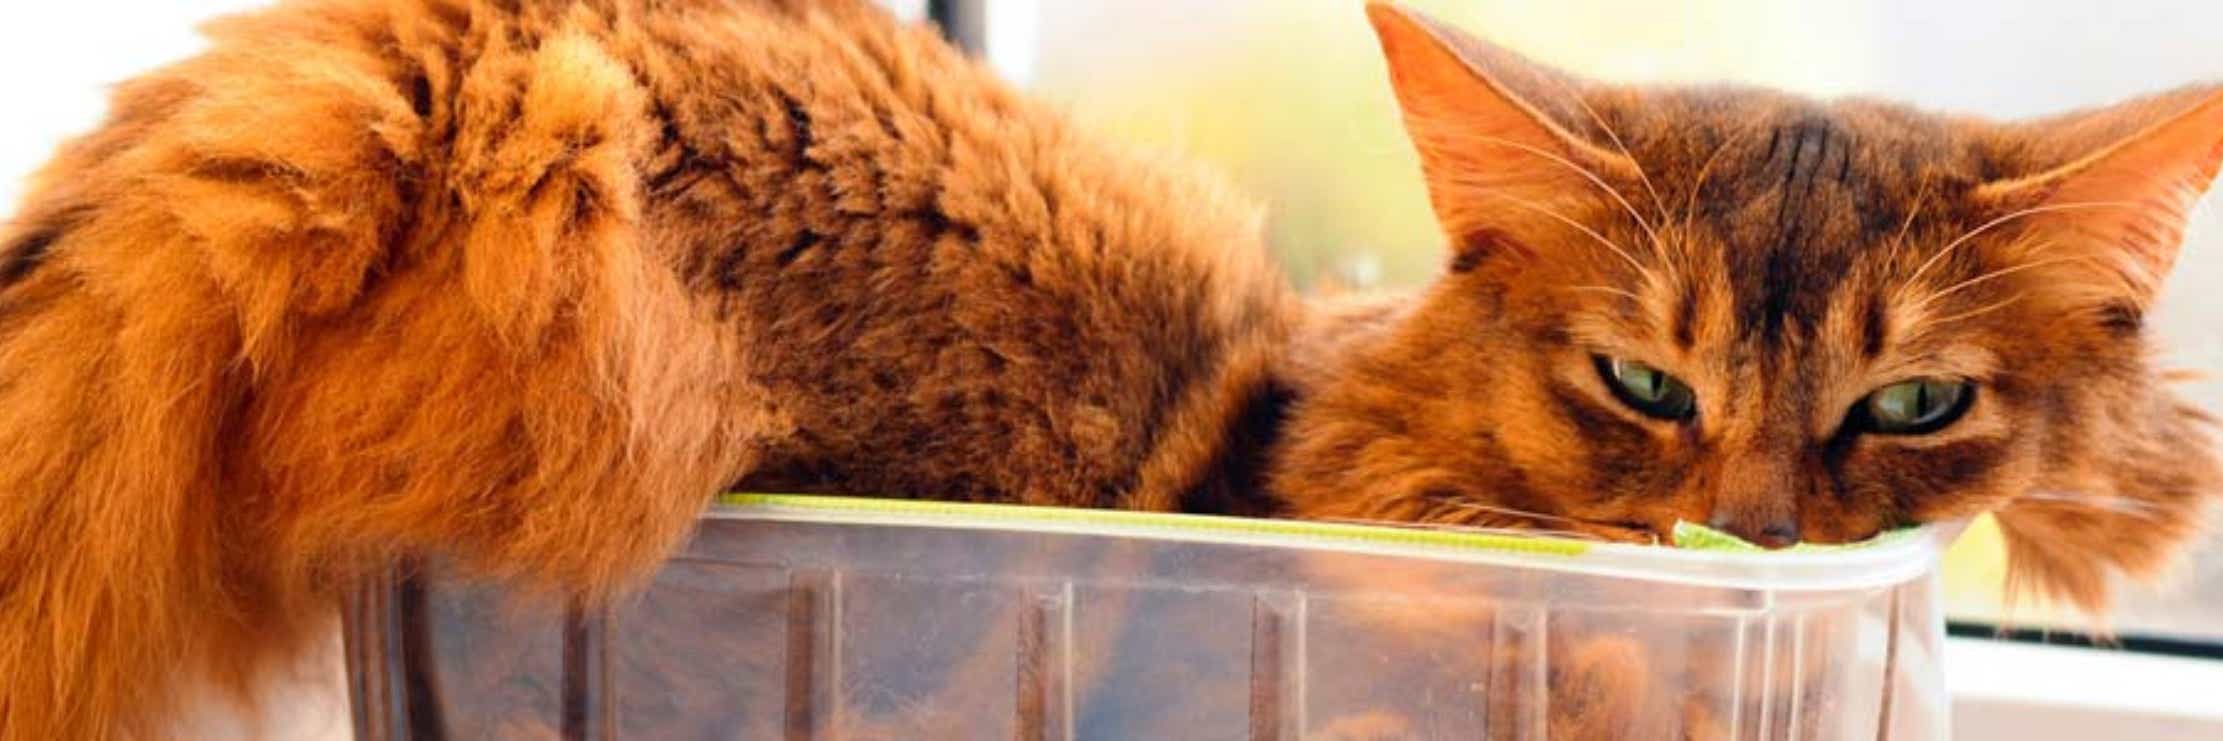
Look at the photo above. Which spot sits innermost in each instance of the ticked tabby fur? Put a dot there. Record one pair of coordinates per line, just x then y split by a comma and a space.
524, 284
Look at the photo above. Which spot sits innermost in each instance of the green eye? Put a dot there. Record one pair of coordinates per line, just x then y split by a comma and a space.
1648, 389
1916, 407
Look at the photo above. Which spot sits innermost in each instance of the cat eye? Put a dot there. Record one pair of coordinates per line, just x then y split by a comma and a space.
1648, 389
1915, 407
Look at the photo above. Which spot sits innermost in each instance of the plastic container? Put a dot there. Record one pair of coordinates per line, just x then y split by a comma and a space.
801, 618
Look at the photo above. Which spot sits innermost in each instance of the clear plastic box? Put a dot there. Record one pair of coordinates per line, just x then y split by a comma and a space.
798, 617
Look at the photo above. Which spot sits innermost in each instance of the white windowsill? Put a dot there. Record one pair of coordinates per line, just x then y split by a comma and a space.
2020, 691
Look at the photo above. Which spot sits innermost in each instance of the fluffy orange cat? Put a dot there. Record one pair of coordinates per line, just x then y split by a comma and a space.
523, 283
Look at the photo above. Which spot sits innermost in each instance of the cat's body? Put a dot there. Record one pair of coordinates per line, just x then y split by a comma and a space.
524, 284
530, 286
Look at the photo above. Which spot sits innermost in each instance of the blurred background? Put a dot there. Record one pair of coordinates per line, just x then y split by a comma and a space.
1289, 98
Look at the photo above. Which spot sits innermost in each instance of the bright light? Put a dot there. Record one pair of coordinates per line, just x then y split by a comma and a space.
63, 56
1013, 29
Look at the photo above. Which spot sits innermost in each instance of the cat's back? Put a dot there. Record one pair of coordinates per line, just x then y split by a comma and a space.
929, 286
524, 284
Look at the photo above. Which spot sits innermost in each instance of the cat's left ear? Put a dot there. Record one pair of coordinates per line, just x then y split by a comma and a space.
1491, 132
2116, 212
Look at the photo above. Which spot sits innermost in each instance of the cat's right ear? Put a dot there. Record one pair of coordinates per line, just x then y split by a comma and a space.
1496, 164
2121, 208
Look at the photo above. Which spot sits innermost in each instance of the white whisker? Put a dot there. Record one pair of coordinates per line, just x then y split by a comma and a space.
2108, 504
1586, 174
1520, 513
1579, 226
1988, 225
1657, 202
1921, 196
1987, 277
1464, 528
1606, 290
1698, 183
1970, 314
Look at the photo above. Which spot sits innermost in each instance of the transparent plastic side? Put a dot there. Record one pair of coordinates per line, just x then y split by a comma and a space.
765, 629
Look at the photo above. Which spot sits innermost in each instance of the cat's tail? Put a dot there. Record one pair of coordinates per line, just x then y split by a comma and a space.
334, 291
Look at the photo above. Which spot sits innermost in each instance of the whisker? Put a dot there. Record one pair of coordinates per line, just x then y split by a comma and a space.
1512, 512
1993, 275
1690, 205
1586, 174
2110, 504
1921, 196
1605, 289
1987, 226
1648, 274
1972, 313
1657, 203
1464, 528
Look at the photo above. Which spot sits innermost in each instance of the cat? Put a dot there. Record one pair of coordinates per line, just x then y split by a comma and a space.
523, 284
1790, 319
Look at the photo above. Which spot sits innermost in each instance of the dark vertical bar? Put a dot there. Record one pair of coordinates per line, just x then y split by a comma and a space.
1041, 669
802, 618
386, 631
963, 22
587, 693
1266, 671
813, 655
420, 685
368, 630
1520, 681
1033, 670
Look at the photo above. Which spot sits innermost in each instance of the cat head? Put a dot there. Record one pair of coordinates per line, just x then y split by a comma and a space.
1791, 319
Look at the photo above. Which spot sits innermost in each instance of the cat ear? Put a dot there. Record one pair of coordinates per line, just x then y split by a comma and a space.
2119, 208
1494, 160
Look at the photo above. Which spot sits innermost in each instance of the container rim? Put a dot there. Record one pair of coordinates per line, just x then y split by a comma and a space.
1889, 560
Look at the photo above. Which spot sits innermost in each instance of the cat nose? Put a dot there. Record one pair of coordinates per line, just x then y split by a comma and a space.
1767, 532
